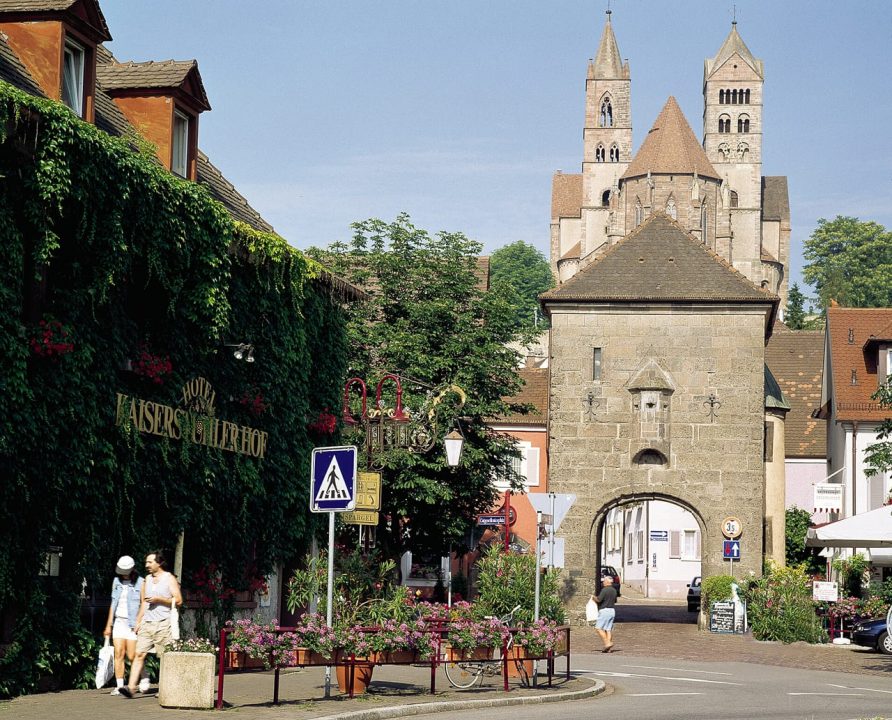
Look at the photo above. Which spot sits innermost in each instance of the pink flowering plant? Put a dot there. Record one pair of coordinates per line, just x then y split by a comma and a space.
352, 640
313, 634
469, 634
391, 636
537, 638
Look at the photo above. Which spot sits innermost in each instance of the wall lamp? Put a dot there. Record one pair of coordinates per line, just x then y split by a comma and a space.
243, 351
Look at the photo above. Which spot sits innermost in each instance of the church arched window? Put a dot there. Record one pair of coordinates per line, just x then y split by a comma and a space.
724, 123
599, 153
733, 200
746, 97
742, 151
721, 97
605, 119
743, 124
733, 97
614, 153
725, 151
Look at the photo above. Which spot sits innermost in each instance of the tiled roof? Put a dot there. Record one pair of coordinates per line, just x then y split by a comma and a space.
533, 393
670, 148
775, 198
224, 192
853, 401
98, 23
150, 75
733, 44
659, 261
796, 358
573, 253
566, 195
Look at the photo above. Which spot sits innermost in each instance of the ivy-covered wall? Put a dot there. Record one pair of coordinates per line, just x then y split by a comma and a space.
117, 277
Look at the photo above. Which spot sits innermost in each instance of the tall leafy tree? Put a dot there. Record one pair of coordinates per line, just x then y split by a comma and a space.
527, 273
878, 455
850, 261
429, 320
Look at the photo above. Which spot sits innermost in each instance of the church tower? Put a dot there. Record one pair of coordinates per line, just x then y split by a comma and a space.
732, 138
607, 138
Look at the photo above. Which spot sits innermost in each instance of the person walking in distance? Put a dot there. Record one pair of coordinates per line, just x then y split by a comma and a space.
159, 592
606, 614
125, 595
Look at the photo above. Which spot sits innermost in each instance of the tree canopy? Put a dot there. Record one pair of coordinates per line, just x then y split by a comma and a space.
527, 273
878, 455
850, 261
430, 320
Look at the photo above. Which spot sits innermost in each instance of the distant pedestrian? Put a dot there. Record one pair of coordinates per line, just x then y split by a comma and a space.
125, 595
159, 593
606, 614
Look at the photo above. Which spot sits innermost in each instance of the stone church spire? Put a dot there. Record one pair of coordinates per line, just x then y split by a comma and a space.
608, 64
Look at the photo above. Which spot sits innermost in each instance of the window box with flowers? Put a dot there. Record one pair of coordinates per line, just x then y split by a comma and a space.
51, 339
317, 638
475, 639
152, 367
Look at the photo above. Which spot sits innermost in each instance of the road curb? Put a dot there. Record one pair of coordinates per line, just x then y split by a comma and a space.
395, 711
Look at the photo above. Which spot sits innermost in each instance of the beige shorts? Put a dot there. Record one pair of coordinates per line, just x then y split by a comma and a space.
153, 635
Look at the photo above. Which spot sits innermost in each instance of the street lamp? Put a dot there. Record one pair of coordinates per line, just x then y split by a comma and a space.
455, 443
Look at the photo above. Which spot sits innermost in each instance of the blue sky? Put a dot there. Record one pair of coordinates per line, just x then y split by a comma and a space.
458, 112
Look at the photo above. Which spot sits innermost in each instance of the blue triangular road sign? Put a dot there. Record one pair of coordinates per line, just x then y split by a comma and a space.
333, 474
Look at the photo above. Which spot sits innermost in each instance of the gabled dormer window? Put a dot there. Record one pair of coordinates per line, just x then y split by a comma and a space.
179, 162
73, 77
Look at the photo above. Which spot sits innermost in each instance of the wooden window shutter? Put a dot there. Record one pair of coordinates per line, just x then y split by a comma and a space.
675, 543
532, 466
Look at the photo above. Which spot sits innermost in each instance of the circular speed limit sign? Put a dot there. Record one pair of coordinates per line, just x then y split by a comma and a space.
731, 528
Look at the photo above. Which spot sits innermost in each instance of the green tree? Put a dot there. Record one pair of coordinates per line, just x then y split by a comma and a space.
797, 523
428, 320
795, 315
526, 271
850, 261
878, 455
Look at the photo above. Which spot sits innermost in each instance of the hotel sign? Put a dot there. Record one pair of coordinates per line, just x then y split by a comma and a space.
192, 420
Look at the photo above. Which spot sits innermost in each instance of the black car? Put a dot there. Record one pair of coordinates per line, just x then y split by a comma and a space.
694, 595
609, 571
873, 634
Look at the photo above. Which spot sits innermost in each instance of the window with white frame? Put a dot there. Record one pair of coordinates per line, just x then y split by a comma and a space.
690, 549
180, 151
73, 63
527, 466
628, 549
639, 543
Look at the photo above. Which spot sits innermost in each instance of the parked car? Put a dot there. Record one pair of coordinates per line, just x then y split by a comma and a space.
609, 571
873, 634
694, 595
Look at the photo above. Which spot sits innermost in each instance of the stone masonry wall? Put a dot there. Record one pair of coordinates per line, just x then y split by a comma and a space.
715, 466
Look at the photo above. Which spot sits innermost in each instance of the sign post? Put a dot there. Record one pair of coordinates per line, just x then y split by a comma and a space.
332, 490
731, 529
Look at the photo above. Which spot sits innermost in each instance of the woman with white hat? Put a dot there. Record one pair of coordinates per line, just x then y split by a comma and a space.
124, 607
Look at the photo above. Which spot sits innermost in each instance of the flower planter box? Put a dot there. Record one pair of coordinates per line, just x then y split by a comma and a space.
395, 656
454, 654
187, 680
516, 656
237, 660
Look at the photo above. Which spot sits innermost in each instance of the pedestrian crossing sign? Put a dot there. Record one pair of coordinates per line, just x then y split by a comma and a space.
333, 479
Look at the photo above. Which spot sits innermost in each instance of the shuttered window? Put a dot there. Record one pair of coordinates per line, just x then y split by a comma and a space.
674, 544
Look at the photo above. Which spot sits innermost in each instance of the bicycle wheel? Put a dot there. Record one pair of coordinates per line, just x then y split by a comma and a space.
463, 674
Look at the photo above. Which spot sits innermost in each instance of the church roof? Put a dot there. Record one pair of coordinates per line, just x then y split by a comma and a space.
566, 195
796, 359
733, 44
608, 64
659, 262
671, 148
774, 396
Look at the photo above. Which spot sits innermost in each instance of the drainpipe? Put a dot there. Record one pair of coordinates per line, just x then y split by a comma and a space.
854, 463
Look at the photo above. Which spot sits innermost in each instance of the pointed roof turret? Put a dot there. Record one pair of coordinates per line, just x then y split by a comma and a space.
608, 64
733, 44
671, 148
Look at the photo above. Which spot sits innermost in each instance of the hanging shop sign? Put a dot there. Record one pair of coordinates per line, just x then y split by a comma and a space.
192, 420
828, 497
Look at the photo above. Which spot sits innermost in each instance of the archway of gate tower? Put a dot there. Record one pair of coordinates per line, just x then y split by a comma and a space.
652, 541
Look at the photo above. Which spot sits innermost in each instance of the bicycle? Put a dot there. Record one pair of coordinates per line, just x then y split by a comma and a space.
463, 674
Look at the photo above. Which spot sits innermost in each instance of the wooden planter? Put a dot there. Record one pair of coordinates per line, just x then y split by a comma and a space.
238, 660
483, 652
519, 654
394, 656
362, 676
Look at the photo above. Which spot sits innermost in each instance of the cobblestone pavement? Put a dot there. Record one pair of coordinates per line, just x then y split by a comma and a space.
644, 629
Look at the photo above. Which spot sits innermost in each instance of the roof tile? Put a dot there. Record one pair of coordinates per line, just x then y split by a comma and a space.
535, 393
566, 195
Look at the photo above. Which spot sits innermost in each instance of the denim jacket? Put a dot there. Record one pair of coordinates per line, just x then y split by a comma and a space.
132, 598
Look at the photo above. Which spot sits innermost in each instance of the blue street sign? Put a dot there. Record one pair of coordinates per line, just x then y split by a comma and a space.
333, 479
731, 549
491, 520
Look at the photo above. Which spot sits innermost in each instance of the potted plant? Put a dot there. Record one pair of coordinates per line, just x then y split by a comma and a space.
475, 639
353, 648
392, 642
317, 638
249, 643
186, 677
532, 641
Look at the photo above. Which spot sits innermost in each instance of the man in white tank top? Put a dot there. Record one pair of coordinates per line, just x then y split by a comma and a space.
159, 592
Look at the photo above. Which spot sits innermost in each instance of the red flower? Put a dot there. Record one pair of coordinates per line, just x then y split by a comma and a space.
51, 340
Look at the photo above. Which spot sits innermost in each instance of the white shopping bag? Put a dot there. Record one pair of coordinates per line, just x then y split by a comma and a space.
174, 621
591, 610
105, 668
